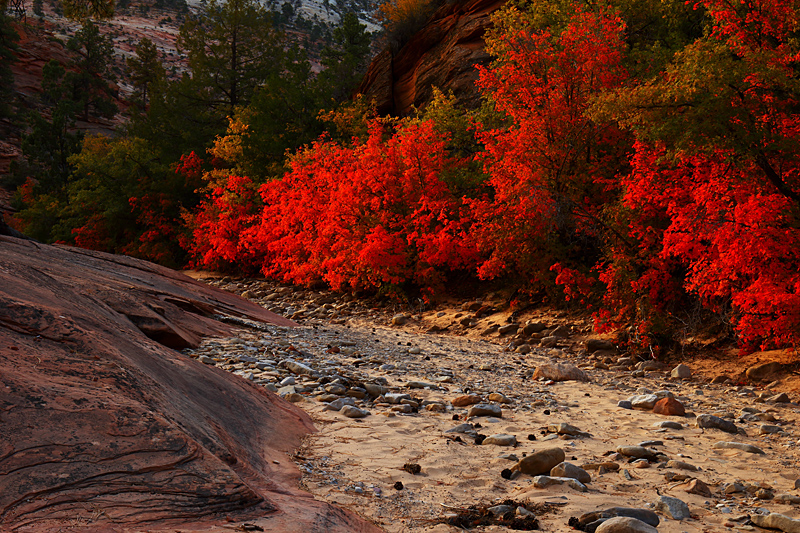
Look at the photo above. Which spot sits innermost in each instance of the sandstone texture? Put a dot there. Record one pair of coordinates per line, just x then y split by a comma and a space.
104, 423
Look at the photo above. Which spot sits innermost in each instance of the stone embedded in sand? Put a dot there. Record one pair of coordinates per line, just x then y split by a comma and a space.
466, 399
400, 319
350, 411
769, 429
541, 482
465, 428
777, 521
695, 486
787, 498
669, 407
779, 398
680, 465
567, 429
533, 327
373, 389
396, 397
297, 368
565, 469
508, 329
763, 371
485, 409
608, 466
501, 439
624, 524
593, 345
560, 372
499, 398
540, 462
681, 372
715, 422
723, 445
635, 451
668, 424
673, 508
420, 385
645, 515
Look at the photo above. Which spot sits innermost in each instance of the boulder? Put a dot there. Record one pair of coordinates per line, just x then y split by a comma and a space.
560, 372
106, 411
540, 462
763, 371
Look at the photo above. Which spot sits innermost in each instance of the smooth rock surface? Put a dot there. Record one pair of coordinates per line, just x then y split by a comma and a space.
624, 524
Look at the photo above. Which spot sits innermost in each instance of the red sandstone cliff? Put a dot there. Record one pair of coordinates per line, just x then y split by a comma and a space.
442, 54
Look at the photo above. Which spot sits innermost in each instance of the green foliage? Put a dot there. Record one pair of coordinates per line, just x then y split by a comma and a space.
88, 9
8, 45
144, 71
346, 60
91, 75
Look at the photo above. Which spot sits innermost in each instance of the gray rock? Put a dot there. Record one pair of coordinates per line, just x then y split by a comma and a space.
768, 429
288, 389
540, 462
297, 368
673, 508
668, 424
624, 524
715, 422
508, 329
625, 404
681, 372
561, 332
533, 327
567, 429
777, 521
338, 403
541, 482
643, 401
485, 409
288, 380
206, 360
787, 498
373, 389
501, 439
467, 429
420, 385
779, 398
351, 411
722, 445
396, 397
500, 510
560, 372
570, 470
549, 342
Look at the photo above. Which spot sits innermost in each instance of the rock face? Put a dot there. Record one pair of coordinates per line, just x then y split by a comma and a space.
443, 54
94, 406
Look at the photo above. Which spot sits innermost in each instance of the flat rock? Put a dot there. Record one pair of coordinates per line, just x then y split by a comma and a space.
673, 508
680, 465
763, 371
485, 409
645, 515
777, 521
593, 345
624, 524
726, 445
540, 462
466, 399
560, 372
668, 424
541, 482
567, 429
109, 412
715, 422
696, 486
635, 451
501, 439
351, 411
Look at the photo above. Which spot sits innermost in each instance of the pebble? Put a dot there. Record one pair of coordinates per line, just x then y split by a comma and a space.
560, 372
681, 372
722, 445
206, 360
567, 429
351, 411
669, 407
624, 524
466, 399
711, 421
768, 429
680, 465
668, 424
501, 439
541, 482
635, 451
485, 409
673, 508
499, 398
540, 462
565, 469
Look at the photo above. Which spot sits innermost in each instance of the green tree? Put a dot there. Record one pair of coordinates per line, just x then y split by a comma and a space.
347, 58
92, 75
86, 9
8, 45
231, 50
145, 70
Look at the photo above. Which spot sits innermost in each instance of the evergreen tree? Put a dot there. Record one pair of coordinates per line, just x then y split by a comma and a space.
92, 75
347, 59
145, 70
8, 44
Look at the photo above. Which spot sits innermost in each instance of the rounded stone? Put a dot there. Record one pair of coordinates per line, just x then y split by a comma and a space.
540, 462
624, 524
